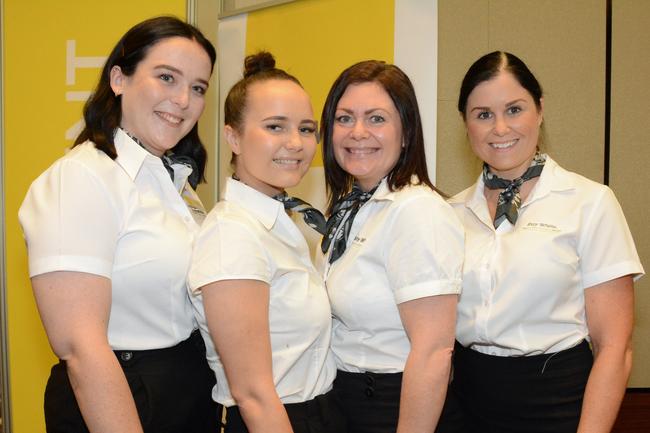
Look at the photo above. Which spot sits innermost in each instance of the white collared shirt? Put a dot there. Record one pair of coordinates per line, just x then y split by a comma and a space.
403, 245
249, 236
523, 285
124, 220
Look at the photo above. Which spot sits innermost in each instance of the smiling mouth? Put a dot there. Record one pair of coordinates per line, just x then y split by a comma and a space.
504, 144
291, 163
169, 118
361, 150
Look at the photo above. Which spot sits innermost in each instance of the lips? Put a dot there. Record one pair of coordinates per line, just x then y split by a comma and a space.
287, 162
169, 118
361, 150
503, 144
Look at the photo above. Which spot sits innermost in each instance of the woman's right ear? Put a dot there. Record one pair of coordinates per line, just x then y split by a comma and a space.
232, 138
117, 80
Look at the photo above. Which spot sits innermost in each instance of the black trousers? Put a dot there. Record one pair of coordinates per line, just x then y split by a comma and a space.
370, 400
531, 394
172, 389
319, 415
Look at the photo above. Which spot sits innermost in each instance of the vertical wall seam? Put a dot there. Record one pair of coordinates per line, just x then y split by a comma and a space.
608, 89
4, 356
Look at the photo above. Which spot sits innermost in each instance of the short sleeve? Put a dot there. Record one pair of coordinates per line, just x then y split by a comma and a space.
69, 221
606, 247
425, 250
227, 249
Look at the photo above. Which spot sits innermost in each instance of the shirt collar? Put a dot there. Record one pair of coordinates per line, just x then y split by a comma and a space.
553, 179
264, 208
383, 190
130, 155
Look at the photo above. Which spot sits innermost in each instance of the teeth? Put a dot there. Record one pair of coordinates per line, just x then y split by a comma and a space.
286, 161
504, 145
362, 150
170, 117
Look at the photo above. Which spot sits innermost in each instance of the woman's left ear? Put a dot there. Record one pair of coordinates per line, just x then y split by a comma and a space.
541, 111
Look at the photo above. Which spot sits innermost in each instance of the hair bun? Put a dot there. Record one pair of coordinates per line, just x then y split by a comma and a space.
260, 62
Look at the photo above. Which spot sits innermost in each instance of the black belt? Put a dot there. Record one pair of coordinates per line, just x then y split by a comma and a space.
130, 356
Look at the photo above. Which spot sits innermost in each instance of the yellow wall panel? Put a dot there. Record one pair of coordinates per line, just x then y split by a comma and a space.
37, 114
316, 39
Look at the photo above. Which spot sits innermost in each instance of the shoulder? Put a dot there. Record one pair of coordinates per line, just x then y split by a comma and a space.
230, 221
582, 188
462, 197
420, 205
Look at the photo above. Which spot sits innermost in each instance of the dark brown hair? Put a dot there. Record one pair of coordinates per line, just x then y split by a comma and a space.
103, 110
489, 66
412, 160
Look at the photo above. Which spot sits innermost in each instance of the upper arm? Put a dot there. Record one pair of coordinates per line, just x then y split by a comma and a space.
430, 322
74, 308
606, 247
609, 308
237, 313
425, 250
70, 221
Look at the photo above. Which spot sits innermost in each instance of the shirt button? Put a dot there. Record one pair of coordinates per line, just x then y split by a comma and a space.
126, 356
370, 391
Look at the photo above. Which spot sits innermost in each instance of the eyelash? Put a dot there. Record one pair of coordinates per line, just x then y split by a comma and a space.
344, 118
307, 130
169, 79
200, 90
347, 119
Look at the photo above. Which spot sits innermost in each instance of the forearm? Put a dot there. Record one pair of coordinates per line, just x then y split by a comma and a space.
605, 389
424, 386
102, 392
263, 412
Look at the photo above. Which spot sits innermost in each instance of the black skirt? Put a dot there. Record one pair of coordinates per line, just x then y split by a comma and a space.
526, 394
172, 389
319, 415
370, 400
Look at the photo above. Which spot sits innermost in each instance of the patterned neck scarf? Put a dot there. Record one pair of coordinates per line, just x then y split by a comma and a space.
509, 199
342, 217
312, 216
170, 158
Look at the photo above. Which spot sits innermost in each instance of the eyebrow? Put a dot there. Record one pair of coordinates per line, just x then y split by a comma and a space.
285, 119
178, 71
370, 110
508, 104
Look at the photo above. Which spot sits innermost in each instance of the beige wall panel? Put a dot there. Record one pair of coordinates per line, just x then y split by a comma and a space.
462, 37
564, 45
630, 152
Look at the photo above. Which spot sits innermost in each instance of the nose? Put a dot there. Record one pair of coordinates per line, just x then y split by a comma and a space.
359, 131
294, 142
181, 97
501, 126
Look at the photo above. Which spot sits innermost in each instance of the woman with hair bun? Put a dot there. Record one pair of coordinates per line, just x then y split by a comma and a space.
257, 294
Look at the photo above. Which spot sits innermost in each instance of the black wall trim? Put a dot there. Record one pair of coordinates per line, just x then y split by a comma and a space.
608, 88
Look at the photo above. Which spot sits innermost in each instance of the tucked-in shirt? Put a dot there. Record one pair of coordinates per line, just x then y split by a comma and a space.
524, 285
403, 245
125, 220
249, 236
